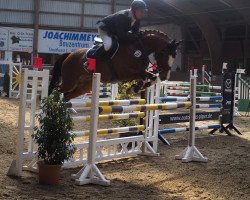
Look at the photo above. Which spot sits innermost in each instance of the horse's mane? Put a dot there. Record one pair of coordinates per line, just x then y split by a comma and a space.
158, 34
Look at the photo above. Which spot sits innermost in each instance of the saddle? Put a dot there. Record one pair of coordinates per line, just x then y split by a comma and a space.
98, 52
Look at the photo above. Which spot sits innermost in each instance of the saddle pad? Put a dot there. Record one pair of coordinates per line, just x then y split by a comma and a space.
90, 53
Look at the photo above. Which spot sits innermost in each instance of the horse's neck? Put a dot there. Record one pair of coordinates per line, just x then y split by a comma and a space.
153, 44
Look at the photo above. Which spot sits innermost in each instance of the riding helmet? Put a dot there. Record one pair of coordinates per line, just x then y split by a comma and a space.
139, 4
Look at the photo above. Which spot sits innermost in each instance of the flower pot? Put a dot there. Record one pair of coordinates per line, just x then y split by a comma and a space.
49, 174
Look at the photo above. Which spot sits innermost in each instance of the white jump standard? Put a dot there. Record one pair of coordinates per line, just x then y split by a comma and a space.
191, 153
90, 173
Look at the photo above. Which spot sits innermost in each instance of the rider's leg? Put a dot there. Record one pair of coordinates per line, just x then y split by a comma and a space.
107, 40
107, 44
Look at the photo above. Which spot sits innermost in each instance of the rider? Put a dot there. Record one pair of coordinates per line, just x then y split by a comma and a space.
123, 25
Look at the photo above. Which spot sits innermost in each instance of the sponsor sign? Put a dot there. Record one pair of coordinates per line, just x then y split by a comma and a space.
16, 39
228, 96
21, 40
3, 39
179, 118
59, 42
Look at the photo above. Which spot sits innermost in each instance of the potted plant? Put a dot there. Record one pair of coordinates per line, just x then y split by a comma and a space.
53, 138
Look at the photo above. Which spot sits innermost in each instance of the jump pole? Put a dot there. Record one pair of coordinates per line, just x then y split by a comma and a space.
191, 153
90, 174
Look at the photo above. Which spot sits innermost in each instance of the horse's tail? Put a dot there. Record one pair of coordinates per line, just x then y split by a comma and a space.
56, 73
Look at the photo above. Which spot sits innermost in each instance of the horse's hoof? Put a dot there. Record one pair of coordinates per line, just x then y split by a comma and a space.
136, 91
132, 91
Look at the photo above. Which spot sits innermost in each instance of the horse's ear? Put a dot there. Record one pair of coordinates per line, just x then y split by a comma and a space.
177, 44
173, 42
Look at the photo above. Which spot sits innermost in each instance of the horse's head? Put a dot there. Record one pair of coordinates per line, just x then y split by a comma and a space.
165, 59
164, 49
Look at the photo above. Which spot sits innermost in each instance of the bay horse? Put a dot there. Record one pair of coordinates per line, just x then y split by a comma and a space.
129, 63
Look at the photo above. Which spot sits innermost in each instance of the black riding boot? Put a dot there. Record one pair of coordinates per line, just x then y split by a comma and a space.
98, 54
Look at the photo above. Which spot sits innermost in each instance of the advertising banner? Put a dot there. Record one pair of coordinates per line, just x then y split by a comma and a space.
60, 42
228, 96
185, 117
21, 40
3, 39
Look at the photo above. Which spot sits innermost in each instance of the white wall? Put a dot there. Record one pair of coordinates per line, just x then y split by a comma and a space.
174, 32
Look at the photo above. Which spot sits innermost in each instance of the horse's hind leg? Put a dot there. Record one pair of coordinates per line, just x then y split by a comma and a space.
81, 89
72, 71
69, 84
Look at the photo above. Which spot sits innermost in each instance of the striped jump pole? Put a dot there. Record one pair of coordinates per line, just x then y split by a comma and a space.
208, 93
185, 129
181, 92
206, 76
100, 94
198, 99
111, 131
198, 87
81, 104
111, 117
105, 89
179, 88
175, 84
186, 86
214, 105
143, 108
191, 153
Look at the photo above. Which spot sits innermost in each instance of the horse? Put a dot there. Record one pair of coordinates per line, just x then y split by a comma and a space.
130, 63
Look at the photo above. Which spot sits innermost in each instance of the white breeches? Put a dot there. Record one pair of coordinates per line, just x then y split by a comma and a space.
107, 40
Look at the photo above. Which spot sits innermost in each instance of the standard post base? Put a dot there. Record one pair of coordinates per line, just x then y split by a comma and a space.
163, 139
231, 127
227, 129
13, 170
236, 112
148, 150
90, 174
191, 153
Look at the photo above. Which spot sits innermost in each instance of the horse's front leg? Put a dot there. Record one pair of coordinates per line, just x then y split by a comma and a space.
148, 84
150, 79
140, 86
136, 88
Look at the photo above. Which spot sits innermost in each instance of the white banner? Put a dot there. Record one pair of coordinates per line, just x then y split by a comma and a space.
60, 42
21, 40
3, 39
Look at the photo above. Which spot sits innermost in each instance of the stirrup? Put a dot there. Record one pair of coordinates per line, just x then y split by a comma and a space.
86, 64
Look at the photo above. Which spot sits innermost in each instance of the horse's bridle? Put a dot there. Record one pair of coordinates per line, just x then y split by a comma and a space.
159, 68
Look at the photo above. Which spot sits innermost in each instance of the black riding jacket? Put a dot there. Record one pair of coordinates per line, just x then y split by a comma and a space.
119, 25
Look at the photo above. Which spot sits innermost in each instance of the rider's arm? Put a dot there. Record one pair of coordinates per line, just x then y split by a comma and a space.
122, 34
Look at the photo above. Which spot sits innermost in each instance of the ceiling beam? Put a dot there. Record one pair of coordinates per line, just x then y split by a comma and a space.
242, 6
206, 26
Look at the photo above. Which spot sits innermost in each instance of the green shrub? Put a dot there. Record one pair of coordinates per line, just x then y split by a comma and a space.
123, 95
